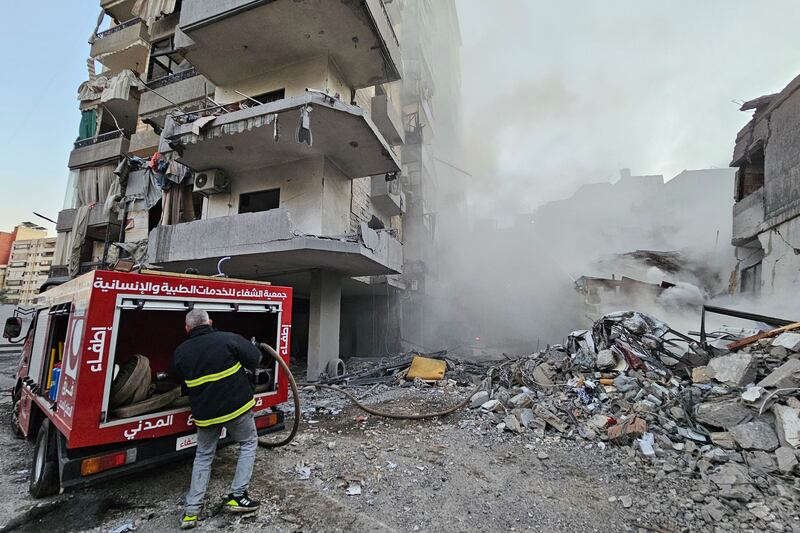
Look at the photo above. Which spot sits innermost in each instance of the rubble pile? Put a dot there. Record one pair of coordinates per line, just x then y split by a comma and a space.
729, 420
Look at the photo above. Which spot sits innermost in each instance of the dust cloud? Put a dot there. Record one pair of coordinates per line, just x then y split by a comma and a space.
556, 100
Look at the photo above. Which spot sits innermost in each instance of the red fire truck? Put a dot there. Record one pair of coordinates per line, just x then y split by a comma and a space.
104, 327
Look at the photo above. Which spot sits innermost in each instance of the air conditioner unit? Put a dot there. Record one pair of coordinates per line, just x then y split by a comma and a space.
211, 181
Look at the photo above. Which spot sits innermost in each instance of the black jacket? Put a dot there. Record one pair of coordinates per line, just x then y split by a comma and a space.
211, 363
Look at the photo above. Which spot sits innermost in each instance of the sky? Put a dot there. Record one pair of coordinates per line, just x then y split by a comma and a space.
555, 94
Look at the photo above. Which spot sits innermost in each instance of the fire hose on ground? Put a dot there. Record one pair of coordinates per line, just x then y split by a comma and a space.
375, 412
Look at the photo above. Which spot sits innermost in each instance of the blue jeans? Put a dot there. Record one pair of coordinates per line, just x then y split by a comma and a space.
243, 431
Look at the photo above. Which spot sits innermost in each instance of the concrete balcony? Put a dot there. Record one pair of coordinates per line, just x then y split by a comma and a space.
748, 216
144, 143
118, 94
387, 196
125, 46
264, 35
266, 244
101, 149
388, 119
119, 9
97, 217
184, 89
244, 140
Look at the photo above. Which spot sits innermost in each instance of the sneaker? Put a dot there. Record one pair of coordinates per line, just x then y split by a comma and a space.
241, 504
189, 521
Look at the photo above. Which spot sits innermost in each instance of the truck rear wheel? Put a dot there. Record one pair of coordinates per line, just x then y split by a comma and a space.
44, 466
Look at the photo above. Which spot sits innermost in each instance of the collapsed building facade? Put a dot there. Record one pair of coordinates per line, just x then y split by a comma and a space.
288, 141
766, 215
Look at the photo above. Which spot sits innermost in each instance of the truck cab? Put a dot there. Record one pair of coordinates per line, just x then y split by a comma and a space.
94, 389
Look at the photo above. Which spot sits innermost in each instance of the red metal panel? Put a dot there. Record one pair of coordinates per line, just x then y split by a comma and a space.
89, 346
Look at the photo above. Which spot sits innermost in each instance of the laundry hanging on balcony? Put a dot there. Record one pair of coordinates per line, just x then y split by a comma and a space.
151, 10
104, 88
304, 128
88, 124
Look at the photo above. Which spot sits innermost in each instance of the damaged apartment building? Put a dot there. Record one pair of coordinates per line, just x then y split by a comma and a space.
766, 213
283, 140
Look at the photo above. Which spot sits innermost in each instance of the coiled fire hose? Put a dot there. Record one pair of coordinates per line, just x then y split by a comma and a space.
396, 416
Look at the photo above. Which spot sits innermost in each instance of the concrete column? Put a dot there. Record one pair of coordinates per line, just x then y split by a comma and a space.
324, 320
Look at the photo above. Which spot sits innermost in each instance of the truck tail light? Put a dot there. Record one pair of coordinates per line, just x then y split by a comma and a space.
93, 465
265, 421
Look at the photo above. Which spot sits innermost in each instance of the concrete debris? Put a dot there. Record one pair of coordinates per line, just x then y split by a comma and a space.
478, 399
785, 376
723, 439
787, 425
606, 360
737, 369
493, 406
755, 435
789, 341
681, 412
787, 459
752, 394
724, 414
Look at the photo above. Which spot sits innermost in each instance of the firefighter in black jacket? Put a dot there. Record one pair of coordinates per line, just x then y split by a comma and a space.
212, 364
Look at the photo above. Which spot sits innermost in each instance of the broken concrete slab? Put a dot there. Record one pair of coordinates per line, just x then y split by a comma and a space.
551, 419
737, 369
702, 374
725, 414
755, 435
785, 376
521, 400
787, 459
544, 374
790, 341
493, 406
787, 425
605, 360
512, 424
723, 439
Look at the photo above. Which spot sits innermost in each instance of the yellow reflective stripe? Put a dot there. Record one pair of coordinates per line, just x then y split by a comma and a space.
213, 377
225, 418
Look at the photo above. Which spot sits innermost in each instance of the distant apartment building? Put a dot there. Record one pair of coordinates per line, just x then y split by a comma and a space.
28, 268
301, 140
766, 215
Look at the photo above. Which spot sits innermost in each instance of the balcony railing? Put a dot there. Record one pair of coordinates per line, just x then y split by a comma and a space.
172, 78
118, 27
102, 138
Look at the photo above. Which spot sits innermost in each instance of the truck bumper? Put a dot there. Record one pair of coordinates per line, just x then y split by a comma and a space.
142, 455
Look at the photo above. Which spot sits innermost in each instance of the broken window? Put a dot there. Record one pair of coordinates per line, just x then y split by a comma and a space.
750, 176
751, 280
255, 202
164, 59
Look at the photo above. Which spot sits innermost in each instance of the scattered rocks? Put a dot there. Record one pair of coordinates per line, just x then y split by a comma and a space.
478, 399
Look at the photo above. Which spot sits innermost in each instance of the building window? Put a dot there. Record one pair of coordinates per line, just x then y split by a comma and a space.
272, 96
254, 202
750, 176
751, 280
164, 59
